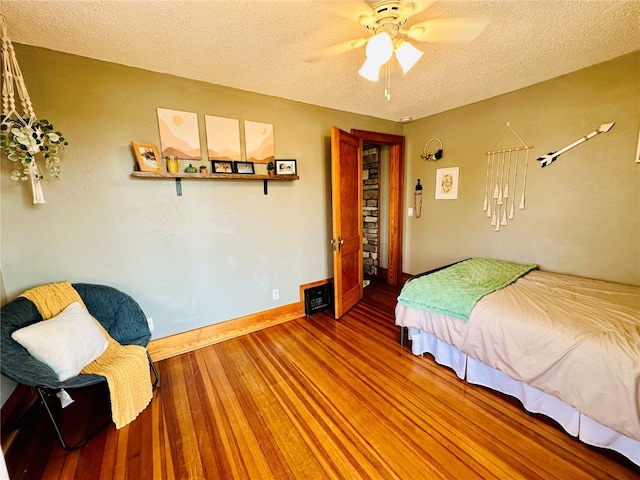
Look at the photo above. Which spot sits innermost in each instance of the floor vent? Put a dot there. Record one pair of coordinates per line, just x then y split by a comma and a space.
318, 298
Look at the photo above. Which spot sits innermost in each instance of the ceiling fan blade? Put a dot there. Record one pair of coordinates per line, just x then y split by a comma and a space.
336, 49
411, 8
352, 10
447, 30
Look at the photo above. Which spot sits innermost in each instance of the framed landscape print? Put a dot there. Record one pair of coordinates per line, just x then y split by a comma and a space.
259, 144
223, 138
179, 135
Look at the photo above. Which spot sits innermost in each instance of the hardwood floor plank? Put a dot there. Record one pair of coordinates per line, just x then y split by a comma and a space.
107, 443
168, 461
319, 399
239, 453
201, 414
183, 436
156, 450
223, 444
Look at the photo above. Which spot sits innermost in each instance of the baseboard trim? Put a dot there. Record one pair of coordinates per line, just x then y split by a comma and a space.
184, 342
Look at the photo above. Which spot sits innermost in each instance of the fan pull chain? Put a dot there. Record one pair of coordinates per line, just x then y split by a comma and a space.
387, 88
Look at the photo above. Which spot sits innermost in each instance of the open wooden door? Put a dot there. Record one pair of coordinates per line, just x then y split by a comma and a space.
346, 209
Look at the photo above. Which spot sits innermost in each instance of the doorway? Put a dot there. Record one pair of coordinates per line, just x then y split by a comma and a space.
395, 145
375, 207
346, 213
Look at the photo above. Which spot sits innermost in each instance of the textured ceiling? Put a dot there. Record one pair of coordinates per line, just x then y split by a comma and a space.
261, 46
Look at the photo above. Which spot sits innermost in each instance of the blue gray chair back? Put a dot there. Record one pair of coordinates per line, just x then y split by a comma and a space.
118, 313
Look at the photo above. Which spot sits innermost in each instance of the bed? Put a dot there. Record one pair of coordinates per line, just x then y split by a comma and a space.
567, 347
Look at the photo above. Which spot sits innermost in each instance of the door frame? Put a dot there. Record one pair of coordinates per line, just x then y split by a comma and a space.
396, 184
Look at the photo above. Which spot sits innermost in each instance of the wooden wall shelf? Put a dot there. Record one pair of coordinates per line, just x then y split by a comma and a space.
215, 176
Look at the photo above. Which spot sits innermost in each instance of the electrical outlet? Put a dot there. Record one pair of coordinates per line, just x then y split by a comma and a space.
276, 294
150, 322
410, 212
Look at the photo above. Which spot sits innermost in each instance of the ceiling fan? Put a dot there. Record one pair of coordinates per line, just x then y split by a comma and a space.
387, 22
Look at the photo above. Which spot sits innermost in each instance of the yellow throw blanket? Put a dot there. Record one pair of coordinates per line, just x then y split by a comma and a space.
125, 367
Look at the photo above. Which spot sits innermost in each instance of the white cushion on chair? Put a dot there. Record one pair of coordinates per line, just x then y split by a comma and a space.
67, 342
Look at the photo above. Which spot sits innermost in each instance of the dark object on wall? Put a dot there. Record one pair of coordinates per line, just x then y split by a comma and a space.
432, 156
317, 299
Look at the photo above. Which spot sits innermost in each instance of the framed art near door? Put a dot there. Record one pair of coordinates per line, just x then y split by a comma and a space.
286, 167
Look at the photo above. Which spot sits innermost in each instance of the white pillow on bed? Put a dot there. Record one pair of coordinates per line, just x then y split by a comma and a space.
67, 342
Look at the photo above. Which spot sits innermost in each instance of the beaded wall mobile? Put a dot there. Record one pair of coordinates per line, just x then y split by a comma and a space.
501, 183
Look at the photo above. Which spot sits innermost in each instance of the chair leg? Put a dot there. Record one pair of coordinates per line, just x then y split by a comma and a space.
63, 443
154, 370
42, 394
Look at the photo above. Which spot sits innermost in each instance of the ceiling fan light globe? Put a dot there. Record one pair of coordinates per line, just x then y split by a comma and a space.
380, 48
407, 56
370, 70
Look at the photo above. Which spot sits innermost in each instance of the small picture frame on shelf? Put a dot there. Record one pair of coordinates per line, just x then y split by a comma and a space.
244, 167
221, 166
286, 167
147, 157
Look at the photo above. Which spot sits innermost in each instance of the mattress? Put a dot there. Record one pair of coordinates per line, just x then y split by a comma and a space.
573, 338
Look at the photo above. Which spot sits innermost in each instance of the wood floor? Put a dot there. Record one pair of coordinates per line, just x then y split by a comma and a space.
313, 399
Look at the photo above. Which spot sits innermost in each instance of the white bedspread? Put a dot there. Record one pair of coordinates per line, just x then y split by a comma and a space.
575, 338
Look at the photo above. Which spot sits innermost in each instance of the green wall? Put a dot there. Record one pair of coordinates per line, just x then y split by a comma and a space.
215, 253
582, 212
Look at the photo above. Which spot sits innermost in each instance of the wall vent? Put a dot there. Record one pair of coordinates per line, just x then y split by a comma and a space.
317, 299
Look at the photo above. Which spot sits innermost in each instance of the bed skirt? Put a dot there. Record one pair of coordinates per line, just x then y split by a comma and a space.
532, 399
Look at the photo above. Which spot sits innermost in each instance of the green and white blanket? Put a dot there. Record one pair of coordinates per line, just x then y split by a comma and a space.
455, 290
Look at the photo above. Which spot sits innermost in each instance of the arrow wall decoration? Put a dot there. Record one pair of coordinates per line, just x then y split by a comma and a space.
553, 156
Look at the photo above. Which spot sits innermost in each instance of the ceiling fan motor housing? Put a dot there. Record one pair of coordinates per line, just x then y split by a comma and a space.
388, 16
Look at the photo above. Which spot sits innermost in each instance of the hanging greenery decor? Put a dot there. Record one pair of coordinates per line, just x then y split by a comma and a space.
22, 139
22, 136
